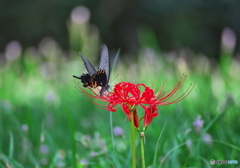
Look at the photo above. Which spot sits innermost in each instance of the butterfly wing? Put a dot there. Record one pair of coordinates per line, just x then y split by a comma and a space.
86, 78
104, 61
105, 66
91, 70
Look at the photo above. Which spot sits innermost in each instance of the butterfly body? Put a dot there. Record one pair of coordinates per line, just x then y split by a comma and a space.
95, 78
85, 79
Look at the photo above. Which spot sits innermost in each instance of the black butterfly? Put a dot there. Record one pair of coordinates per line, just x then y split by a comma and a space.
95, 78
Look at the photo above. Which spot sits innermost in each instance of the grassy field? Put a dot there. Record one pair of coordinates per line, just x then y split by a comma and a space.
46, 122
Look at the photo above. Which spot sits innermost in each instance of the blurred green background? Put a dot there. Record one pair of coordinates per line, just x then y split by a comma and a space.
197, 24
46, 122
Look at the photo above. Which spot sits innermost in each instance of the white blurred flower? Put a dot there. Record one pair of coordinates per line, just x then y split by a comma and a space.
228, 39
50, 49
218, 85
189, 143
80, 14
24, 127
13, 50
6, 105
121, 147
94, 154
43, 161
182, 65
44, 149
84, 162
234, 69
207, 139
60, 164
150, 55
118, 131
26, 145
198, 123
102, 145
50, 96
86, 140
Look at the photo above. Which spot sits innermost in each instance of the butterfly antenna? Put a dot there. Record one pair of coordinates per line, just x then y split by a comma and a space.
114, 78
76, 77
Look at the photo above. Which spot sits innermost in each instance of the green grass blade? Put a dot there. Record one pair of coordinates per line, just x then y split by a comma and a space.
116, 58
157, 145
72, 130
11, 145
169, 152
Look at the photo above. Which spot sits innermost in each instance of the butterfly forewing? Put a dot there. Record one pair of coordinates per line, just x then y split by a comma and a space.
91, 70
104, 61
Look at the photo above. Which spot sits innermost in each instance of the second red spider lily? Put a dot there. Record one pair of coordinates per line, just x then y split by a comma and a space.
130, 96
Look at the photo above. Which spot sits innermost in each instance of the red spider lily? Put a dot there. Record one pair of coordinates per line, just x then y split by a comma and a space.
129, 96
150, 112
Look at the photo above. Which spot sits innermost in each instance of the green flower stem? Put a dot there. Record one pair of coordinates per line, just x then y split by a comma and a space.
142, 140
133, 140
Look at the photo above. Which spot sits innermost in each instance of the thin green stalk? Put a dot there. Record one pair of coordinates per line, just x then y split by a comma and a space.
142, 140
113, 143
133, 140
